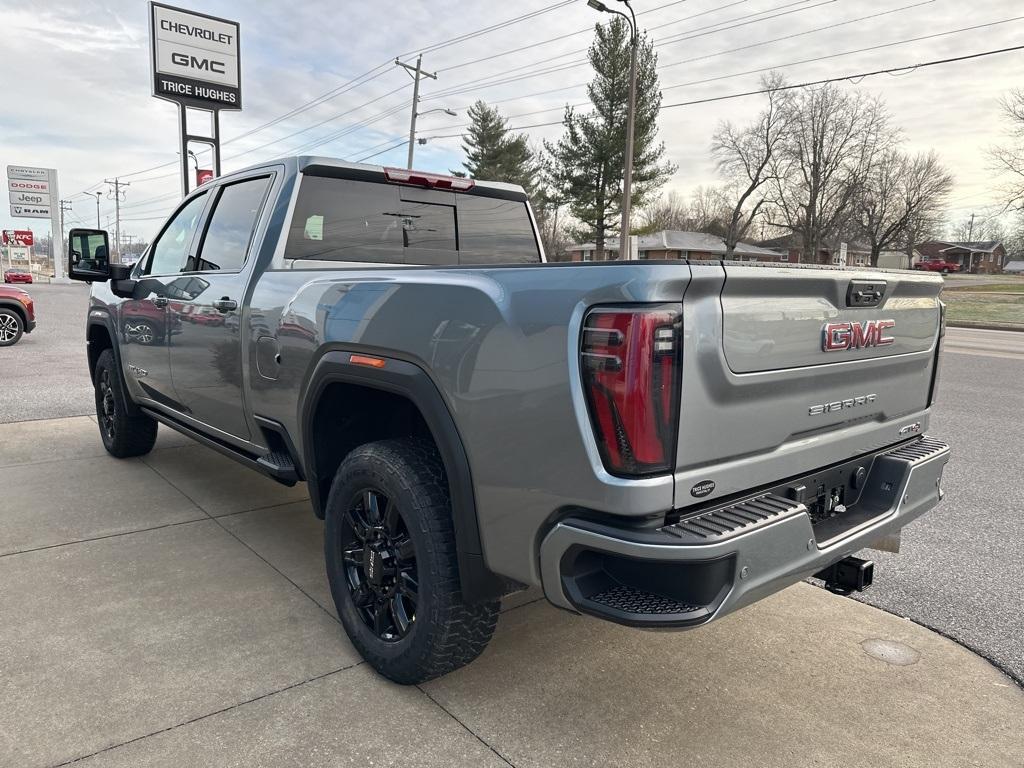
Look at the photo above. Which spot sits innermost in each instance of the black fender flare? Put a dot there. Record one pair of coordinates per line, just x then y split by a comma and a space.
105, 321
404, 378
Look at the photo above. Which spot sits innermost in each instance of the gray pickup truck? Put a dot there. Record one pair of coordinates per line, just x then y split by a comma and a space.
655, 443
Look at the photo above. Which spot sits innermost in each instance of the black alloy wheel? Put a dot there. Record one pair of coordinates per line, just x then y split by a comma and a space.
108, 408
380, 565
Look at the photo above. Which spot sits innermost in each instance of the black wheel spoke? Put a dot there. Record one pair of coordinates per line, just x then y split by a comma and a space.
353, 556
404, 550
408, 586
357, 524
362, 596
371, 506
381, 618
399, 615
392, 519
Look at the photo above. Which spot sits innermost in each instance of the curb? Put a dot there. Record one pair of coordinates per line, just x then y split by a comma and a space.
984, 326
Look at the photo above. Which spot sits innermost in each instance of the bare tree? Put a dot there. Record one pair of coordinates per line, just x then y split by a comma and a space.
898, 191
709, 211
745, 158
1008, 159
976, 229
667, 212
833, 138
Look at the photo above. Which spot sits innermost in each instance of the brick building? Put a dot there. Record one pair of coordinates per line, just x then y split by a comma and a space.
980, 258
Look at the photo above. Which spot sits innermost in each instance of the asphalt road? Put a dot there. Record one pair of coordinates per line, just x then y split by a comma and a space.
960, 568
45, 375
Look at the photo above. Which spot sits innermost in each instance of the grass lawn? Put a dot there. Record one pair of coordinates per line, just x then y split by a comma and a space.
1014, 287
973, 307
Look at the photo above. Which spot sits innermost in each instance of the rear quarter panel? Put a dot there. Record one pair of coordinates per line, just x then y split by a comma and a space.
501, 345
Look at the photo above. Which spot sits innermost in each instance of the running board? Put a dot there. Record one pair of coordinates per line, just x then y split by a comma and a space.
284, 474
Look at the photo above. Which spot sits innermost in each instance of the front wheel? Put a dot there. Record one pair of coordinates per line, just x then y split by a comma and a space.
11, 327
123, 434
391, 561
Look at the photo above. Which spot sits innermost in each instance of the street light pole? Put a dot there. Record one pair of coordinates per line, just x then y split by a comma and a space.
627, 174
627, 179
98, 210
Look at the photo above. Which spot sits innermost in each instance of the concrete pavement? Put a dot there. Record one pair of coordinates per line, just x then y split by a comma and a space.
173, 611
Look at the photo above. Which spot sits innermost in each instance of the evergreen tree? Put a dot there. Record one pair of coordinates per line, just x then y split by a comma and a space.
588, 161
495, 154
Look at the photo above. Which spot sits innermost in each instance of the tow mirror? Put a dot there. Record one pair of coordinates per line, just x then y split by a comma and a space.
88, 255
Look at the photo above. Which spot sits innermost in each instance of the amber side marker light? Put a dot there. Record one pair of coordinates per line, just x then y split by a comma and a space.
372, 362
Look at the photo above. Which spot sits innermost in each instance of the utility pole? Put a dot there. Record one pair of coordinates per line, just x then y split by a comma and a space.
116, 193
98, 194
970, 230
416, 73
65, 205
58, 249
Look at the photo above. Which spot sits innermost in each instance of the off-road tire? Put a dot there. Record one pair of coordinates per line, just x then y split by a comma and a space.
13, 327
445, 633
124, 435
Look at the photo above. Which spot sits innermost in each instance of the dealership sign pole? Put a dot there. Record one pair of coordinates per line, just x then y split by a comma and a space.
196, 64
34, 195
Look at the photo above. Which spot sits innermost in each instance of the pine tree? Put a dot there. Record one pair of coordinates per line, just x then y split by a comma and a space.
495, 154
588, 161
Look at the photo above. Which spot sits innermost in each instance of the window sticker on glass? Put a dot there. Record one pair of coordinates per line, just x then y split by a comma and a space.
314, 228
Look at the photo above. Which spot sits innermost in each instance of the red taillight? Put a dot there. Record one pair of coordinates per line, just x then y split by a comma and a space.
432, 180
630, 360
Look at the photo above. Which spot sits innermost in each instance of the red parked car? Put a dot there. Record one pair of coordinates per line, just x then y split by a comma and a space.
16, 275
17, 315
937, 264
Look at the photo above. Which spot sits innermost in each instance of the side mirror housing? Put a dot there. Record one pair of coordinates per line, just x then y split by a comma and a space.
89, 255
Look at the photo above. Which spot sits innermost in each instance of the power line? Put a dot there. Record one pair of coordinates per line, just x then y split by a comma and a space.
709, 29
807, 84
484, 30
567, 35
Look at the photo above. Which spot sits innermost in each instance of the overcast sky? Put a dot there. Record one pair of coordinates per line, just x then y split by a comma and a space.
75, 81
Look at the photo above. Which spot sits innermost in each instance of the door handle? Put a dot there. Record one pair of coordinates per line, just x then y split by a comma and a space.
160, 301
225, 304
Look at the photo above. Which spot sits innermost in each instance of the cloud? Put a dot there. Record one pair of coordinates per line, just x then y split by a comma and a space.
79, 74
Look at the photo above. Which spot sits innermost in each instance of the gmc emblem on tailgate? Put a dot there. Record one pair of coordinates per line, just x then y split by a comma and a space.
838, 337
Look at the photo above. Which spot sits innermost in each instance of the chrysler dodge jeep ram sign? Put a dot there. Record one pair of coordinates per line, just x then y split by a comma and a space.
195, 58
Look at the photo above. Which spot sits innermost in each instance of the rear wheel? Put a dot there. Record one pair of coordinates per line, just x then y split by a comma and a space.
391, 562
123, 434
11, 327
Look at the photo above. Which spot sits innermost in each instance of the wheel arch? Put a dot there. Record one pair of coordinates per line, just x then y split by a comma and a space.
17, 308
100, 335
379, 403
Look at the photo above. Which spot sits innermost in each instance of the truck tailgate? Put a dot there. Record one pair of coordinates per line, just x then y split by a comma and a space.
786, 369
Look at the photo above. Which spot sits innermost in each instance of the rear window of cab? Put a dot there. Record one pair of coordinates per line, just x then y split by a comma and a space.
362, 221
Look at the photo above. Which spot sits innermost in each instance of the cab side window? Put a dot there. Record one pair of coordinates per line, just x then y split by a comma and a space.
169, 253
232, 223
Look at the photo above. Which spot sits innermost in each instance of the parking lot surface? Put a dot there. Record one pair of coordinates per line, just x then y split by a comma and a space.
173, 611
958, 572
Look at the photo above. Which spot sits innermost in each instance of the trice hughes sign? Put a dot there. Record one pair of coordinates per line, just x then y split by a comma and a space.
195, 58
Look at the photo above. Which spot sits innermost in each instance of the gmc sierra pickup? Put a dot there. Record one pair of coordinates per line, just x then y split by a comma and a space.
655, 443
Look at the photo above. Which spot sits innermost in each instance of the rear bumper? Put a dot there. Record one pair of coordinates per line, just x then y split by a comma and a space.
711, 562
